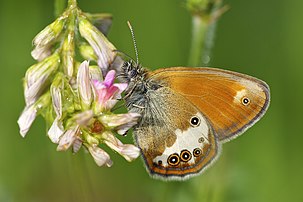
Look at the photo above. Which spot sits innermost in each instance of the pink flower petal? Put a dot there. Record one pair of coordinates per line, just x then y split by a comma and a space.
109, 79
98, 84
107, 92
111, 91
121, 87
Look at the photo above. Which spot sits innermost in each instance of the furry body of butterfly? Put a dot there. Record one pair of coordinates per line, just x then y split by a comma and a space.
186, 114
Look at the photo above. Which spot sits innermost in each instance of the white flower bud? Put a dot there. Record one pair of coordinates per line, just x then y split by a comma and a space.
41, 52
87, 52
84, 118
30, 112
56, 93
102, 47
68, 138
55, 131
50, 32
84, 85
26, 119
100, 156
77, 144
102, 21
44, 41
95, 73
120, 122
128, 151
36, 77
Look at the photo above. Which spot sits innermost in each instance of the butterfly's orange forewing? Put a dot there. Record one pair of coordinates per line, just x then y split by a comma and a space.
232, 102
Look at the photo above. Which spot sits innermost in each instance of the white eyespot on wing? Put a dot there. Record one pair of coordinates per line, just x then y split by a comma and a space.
240, 94
192, 138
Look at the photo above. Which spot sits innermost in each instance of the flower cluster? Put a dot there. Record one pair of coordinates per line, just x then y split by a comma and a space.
75, 98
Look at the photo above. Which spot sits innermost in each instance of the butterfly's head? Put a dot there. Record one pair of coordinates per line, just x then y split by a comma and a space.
132, 72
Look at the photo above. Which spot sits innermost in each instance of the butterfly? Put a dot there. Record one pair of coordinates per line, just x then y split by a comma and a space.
188, 112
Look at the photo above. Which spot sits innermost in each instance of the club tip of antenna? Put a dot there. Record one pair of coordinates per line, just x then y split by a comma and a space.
134, 41
129, 25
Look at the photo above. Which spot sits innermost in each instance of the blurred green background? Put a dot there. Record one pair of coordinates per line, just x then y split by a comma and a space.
260, 38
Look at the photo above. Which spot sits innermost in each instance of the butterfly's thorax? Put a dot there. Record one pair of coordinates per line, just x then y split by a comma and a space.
141, 89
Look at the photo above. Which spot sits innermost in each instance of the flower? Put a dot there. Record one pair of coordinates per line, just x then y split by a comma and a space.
102, 21
68, 138
37, 78
89, 127
26, 119
102, 47
46, 38
101, 123
30, 113
128, 151
107, 92
100, 156
84, 85
75, 98
120, 122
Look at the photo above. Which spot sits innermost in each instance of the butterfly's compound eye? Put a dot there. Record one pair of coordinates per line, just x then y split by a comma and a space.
245, 101
195, 121
197, 152
132, 73
173, 159
185, 155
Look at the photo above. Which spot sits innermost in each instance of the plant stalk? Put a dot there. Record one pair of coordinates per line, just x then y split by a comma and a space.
59, 7
203, 31
199, 31
72, 3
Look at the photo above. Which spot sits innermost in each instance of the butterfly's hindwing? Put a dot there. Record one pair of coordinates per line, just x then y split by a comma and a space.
175, 138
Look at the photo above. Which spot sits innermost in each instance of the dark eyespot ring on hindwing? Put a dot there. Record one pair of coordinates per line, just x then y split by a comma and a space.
195, 121
185, 155
245, 101
201, 140
197, 152
173, 159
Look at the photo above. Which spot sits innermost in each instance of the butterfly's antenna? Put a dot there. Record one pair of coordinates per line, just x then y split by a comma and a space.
134, 40
122, 53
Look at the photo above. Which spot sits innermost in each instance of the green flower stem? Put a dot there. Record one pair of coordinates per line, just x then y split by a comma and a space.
72, 3
60, 5
204, 18
199, 32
